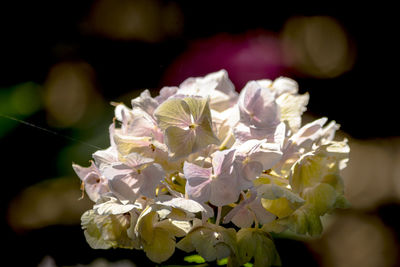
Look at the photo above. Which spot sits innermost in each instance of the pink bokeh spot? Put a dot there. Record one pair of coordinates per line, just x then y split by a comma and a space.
250, 56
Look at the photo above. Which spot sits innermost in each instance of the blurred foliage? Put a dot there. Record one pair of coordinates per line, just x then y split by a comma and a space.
19, 101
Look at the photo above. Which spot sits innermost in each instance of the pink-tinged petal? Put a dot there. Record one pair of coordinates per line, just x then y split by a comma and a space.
116, 170
267, 158
250, 146
249, 100
244, 218
105, 157
224, 184
198, 189
223, 162
258, 107
83, 172
125, 187
145, 102
135, 160
255, 156
236, 209
142, 182
224, 191
165, 93
244, 214
243, 182
240, 215
309, 132
198, 182
191, 170
141, 124
215, 85
252, 170
263, 216
150, 178
263, 132
242, 133
95, 185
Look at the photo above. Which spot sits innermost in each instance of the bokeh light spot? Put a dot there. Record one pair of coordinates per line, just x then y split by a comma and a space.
318, 46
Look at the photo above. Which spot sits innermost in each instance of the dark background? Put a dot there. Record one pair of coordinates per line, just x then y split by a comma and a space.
36, 35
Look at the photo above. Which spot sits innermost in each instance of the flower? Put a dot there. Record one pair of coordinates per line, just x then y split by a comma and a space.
187, 125
94, 183
185, 164
217, 184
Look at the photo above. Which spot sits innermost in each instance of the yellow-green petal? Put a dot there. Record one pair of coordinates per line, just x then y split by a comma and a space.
173, 112
179, 141
162, 247
255, 243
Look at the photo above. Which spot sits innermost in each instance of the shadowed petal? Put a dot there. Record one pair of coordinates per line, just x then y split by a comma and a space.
180, 142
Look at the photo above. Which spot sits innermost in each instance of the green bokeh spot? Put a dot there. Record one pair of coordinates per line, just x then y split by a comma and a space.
222, 261
26, 98
195, 259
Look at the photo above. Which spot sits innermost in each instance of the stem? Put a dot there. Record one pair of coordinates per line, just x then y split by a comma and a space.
218, 216
203, 218
256, 224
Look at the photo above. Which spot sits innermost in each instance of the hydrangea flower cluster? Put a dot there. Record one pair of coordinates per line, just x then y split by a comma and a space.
203, 168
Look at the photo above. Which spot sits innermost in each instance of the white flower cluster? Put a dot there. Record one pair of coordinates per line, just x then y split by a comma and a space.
203, 168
